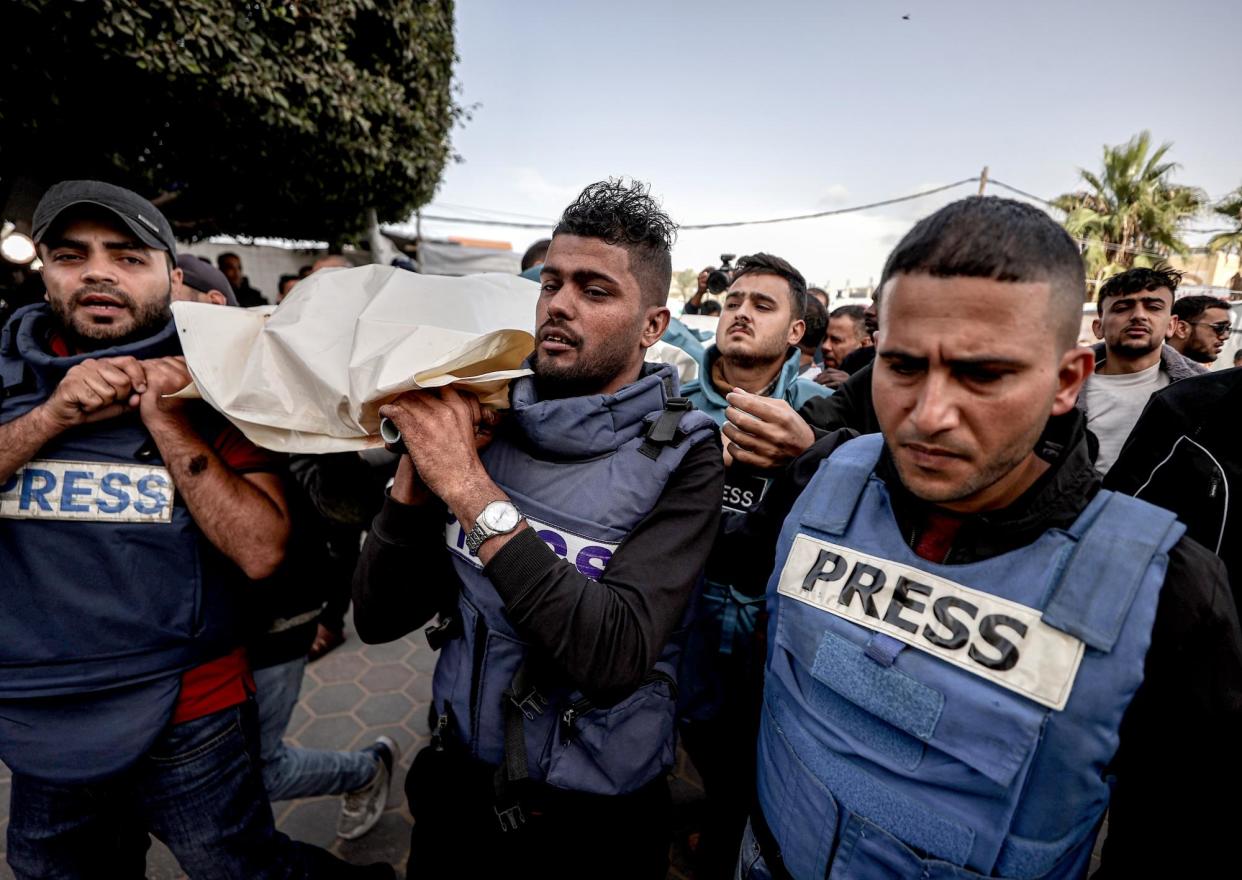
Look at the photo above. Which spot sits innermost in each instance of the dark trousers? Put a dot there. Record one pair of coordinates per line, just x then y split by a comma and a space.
198, 790
566, 834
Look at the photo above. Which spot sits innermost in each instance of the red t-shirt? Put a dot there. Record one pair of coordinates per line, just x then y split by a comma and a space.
225, 681
939, 530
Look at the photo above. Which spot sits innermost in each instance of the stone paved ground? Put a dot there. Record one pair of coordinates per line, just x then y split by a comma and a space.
348, 699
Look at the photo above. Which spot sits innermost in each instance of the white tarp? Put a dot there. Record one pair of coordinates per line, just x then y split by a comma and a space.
310, 375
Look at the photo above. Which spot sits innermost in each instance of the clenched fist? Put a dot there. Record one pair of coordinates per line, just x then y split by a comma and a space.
96, 389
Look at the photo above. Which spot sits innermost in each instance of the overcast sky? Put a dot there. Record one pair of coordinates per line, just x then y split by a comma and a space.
739, 111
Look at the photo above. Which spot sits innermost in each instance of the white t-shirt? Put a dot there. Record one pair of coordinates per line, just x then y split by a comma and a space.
1114, 404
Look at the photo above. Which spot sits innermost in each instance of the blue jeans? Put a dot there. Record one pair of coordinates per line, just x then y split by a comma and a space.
198, 790
290, 772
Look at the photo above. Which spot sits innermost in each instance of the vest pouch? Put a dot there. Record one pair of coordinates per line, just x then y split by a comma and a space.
610, 750
868, 852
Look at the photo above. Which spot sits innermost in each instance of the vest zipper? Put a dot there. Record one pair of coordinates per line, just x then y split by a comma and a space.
578, 708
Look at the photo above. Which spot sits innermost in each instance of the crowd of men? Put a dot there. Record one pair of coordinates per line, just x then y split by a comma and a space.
924, 589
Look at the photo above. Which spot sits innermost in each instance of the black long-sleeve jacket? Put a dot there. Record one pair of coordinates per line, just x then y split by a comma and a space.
604, 635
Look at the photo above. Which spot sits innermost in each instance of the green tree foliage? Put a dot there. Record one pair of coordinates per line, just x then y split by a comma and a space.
1129, 213
1230, 209
251, 118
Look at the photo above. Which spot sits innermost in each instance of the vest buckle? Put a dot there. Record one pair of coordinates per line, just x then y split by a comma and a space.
531, 704
511, 818
445, 630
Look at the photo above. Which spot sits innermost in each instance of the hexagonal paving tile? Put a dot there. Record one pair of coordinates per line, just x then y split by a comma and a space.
389, 652
389, 708
338, 666
333, 732
332, 699
388, 677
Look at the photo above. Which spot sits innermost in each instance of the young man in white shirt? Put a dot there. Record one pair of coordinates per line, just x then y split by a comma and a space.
1134, 361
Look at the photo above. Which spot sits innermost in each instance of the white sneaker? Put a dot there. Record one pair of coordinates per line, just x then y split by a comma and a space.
361, 809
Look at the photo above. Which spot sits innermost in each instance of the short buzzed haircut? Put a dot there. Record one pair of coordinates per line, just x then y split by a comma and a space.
1190, 307
767, 264
227, 255
625, 214
855, 313
1138, 280
1000, 239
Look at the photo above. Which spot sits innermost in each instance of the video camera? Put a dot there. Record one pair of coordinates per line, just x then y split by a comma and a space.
718, 280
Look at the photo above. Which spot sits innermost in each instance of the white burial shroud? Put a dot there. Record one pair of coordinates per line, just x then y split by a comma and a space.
311, 374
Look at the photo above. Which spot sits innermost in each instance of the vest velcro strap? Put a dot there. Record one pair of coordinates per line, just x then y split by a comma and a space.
664, 430
1118, 536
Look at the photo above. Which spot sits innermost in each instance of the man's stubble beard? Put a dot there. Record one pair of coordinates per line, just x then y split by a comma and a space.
87, 336
589, 375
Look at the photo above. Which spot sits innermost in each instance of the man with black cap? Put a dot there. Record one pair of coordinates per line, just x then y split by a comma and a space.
129, 522
202, 282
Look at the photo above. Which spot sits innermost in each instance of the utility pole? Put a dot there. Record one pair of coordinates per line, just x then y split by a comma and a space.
983, 179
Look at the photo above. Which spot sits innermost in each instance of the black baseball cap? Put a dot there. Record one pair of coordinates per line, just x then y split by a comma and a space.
139, 216
204, 277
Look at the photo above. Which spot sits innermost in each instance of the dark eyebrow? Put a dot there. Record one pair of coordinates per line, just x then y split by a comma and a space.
982, 360
757, 294
582, 276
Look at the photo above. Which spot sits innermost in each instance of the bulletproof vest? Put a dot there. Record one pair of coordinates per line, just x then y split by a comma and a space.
584, 471
926, 720
106, 584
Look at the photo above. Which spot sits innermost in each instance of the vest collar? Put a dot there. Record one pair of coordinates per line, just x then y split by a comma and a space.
595, 424
26, 337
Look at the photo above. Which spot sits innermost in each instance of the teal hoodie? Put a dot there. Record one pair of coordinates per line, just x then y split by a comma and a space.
796, 391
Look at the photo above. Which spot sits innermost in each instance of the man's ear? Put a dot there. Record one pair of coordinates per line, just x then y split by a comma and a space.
796, 330
1097, 327
655, 322
1075, 368
216, 298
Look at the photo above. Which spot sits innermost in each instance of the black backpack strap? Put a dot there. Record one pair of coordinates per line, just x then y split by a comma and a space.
665, 430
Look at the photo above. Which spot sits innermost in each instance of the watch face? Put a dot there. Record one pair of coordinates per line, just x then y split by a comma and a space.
501, 516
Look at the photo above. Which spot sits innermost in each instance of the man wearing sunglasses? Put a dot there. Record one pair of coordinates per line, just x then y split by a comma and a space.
1202, 326
1134, 360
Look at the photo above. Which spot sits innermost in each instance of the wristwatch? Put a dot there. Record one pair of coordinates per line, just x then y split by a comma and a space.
498, 518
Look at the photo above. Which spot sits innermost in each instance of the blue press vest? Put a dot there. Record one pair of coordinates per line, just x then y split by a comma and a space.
574, 468
105, 594
878, 759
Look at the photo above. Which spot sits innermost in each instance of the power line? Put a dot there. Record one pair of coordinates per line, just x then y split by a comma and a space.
836, 211
732, 223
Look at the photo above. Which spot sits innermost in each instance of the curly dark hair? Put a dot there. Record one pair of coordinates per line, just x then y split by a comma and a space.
1137, 280
767, 264
625, 214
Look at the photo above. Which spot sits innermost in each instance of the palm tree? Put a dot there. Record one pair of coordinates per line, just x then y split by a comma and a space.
1129, 214
1230, 207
